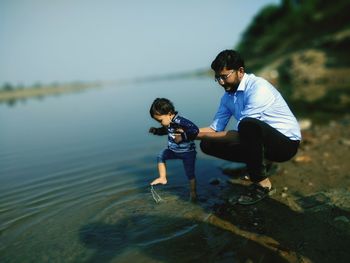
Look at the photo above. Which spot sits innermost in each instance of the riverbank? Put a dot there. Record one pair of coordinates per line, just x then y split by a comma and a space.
308, 216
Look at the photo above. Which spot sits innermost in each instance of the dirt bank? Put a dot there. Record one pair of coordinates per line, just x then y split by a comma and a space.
309, 214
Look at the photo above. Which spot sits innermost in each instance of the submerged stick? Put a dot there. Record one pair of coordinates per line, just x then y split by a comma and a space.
155, 195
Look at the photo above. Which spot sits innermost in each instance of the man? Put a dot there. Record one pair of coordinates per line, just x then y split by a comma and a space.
266, 129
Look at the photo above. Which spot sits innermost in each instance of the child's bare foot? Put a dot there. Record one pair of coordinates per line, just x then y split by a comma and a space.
159, 181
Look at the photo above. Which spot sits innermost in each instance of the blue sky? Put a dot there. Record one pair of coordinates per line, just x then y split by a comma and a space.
63, 40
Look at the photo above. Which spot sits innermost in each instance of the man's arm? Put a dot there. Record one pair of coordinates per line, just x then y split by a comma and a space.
209, 134
187, 129
206, 129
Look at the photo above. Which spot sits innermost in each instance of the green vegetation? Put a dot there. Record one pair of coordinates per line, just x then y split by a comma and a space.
305, 44
295, 25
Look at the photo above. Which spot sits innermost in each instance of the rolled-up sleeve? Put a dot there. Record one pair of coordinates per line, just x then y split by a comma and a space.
222, 116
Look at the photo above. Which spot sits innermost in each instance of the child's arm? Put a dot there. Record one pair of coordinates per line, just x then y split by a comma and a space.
189, 129
158, 131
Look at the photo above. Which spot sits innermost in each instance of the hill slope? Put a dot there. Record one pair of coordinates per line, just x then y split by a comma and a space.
302, 47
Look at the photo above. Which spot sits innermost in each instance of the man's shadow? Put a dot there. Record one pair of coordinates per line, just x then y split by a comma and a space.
267, 232
315, 228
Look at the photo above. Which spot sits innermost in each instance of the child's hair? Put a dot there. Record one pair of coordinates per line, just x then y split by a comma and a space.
161, 106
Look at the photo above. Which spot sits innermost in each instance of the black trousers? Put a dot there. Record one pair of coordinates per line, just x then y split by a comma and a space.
258, 142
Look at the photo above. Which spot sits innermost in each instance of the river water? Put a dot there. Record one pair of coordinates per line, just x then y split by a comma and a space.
75, 172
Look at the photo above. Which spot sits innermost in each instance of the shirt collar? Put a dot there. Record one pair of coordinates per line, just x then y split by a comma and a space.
174, 118
242, 84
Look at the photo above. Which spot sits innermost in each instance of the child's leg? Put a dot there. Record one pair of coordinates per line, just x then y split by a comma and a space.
162, 175
189, 161
193, 189
162, 157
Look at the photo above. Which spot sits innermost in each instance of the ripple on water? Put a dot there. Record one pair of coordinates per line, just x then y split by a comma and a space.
35, 202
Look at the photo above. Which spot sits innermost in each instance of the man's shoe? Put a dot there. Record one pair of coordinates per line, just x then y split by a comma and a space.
254, 194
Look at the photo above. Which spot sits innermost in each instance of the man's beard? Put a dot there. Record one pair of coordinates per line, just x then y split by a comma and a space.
231, 88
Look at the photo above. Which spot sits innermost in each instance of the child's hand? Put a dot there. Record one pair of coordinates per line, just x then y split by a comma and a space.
152, 130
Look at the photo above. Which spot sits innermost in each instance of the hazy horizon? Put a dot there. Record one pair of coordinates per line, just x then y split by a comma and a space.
64, 41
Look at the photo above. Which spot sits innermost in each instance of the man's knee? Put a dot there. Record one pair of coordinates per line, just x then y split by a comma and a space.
249, 123
250, 127
205, 147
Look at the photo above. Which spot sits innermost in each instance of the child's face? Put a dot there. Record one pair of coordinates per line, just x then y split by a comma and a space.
164, 120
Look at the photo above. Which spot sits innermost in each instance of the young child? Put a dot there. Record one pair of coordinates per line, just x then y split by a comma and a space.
181, 133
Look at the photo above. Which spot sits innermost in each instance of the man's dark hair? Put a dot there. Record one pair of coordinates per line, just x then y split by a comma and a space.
230, 59
161, 106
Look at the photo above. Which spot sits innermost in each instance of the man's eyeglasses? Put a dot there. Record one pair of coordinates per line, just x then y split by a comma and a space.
219, 78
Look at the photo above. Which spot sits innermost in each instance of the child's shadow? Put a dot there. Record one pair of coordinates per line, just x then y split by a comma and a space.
195, 241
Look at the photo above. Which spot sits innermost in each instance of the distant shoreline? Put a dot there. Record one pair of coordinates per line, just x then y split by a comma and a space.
25, 93
13, 93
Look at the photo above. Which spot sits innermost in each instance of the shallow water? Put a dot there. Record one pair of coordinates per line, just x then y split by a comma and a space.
75, 172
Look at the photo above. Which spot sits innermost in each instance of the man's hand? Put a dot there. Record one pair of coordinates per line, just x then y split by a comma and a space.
222, 136
178, 137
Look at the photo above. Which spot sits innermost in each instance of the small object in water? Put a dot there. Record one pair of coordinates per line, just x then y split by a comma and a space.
233, 200
155, 195
214, 181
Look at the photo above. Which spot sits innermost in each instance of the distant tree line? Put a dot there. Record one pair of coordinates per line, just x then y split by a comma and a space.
8, 87
12, 87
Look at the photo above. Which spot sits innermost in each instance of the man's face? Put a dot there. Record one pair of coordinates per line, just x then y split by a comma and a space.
229, 79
